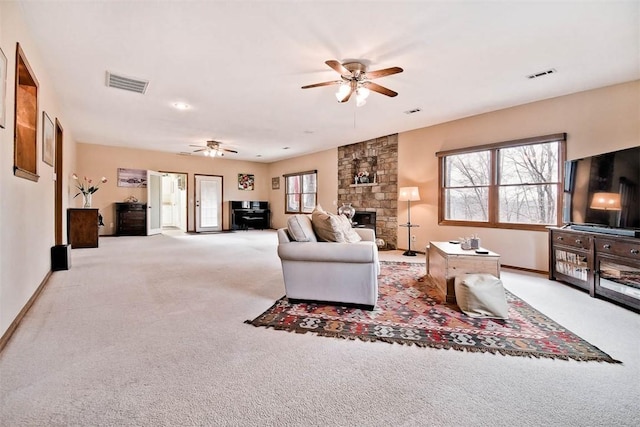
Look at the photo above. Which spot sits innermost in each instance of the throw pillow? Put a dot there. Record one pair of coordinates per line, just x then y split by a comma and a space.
300, 229
333, 228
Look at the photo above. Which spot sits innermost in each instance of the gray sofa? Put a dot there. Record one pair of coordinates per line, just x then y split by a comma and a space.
338, 273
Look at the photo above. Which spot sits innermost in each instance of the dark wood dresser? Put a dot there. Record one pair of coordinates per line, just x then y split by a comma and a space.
605, 265
82, 227
131, 219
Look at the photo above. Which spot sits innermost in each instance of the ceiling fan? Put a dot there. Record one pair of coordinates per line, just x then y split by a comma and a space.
213, 149
354, 77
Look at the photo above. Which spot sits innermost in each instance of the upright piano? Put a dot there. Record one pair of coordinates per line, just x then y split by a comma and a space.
249, 214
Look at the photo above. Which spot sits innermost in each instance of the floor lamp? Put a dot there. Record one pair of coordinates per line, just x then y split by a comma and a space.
409, 194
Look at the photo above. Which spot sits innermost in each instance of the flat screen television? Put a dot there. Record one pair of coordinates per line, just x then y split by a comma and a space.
603, 192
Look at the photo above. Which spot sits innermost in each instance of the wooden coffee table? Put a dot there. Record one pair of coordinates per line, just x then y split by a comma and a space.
447, 260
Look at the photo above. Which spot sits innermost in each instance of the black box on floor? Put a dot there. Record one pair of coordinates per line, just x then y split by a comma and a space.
60, 257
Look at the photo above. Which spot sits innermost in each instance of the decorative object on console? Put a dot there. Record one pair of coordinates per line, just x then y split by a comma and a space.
131, 199
409, 194
347, 210
409, 313
87, 188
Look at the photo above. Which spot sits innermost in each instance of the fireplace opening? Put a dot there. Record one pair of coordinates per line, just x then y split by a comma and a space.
364, 219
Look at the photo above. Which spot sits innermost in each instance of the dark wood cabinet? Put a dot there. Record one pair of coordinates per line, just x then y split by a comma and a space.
131, 219
82, 228
249, 214
607, 266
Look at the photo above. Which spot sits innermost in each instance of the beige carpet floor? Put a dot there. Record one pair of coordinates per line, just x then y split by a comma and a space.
148, 331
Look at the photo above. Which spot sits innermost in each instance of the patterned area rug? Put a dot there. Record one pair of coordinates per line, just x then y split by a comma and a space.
408, 312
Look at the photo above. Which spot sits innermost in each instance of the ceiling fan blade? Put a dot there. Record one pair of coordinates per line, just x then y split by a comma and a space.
385, 72
346, 98
193, 145
338, 67
335, 82
230, 151
380, 89
197, 151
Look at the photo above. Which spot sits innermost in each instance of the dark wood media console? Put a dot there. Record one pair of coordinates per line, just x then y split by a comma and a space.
605, 265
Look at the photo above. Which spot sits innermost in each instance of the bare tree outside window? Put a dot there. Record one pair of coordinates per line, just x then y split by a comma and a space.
528, 184
467, 184
301, 189
515, 184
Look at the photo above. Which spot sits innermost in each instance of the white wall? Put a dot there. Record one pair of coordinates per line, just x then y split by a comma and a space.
27, 207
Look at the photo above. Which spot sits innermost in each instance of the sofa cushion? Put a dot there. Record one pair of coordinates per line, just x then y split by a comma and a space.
333, 228
300, 229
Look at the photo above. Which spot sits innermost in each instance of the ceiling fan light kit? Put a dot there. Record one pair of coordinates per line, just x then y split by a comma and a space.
213, 149
356, 79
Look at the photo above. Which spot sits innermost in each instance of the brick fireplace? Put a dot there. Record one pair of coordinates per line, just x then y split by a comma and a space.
379, 158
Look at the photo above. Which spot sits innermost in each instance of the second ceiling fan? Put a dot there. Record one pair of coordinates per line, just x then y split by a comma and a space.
356, 79
213, 149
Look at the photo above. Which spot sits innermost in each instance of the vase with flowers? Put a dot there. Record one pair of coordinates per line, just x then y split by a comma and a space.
363, 177
87, 188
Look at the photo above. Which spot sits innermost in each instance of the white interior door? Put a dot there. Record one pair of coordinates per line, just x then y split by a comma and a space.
154, 202
208, 203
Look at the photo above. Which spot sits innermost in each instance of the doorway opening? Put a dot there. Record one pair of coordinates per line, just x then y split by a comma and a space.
174, 201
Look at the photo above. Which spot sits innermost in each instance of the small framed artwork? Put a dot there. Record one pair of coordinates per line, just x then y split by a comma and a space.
3, 89
245, 181
132, 178
275, 183
48, 145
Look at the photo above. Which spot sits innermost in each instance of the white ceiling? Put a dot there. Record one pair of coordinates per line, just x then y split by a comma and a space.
240, 65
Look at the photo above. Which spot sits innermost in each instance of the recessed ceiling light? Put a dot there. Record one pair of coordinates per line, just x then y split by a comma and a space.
181, 105
258, 155
285, 148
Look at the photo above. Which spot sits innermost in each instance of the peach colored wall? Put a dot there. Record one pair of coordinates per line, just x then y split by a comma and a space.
27, 208
325, 162
95, 161
595, 121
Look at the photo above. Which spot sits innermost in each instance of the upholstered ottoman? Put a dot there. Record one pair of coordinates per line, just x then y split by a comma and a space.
481, 295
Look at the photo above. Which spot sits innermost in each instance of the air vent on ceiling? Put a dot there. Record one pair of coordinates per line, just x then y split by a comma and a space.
126, 83
542, 73
413, 111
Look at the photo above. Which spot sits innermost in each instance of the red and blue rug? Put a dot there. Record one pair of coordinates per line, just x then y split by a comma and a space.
408, 312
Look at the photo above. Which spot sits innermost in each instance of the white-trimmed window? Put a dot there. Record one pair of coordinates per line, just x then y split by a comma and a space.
513, 184
300, 192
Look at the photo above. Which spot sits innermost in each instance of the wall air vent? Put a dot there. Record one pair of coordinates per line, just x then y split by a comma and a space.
126, 83
542, 73
413, 111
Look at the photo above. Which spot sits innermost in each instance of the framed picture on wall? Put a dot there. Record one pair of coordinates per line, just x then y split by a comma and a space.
48, 143
132, 178
3, 89
245, 181
275, 183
